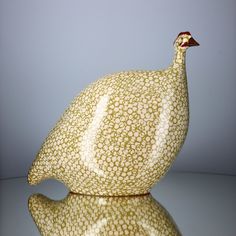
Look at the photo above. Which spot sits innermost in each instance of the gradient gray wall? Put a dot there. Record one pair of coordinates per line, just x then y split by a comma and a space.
50, 50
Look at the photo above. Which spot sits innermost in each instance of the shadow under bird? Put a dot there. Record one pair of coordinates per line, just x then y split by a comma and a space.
122, 133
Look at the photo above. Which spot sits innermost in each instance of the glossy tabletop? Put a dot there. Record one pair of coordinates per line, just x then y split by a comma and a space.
193, 204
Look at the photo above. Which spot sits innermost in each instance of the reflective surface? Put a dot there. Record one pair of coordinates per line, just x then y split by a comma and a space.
90, 215
199, 204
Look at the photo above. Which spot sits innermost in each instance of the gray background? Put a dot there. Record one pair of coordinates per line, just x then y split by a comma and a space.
51, 50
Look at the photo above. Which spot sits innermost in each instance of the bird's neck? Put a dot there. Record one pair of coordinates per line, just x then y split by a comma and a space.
179, 59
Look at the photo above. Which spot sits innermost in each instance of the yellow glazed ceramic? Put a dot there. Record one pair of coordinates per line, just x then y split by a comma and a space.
122, 133
90, 216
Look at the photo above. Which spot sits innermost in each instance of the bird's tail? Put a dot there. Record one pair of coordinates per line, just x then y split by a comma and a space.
39, 171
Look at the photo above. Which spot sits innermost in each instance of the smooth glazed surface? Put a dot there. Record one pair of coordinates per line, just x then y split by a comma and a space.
89, 215
121, 134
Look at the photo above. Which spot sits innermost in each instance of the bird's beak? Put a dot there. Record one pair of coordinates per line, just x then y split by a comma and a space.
192, 42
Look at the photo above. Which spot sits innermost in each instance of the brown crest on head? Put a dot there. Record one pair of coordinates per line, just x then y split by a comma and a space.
188, 33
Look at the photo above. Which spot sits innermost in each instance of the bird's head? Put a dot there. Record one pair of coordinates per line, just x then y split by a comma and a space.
185, 40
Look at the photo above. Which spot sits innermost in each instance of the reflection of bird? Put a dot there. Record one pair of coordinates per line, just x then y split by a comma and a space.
90, 215
121, 134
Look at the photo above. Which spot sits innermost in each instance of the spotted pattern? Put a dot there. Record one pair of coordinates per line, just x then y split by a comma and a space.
121, 134
90, 216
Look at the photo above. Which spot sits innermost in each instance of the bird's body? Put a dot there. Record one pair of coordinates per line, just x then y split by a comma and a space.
120, 135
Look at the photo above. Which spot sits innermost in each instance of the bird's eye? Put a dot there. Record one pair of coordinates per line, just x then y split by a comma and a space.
181, 40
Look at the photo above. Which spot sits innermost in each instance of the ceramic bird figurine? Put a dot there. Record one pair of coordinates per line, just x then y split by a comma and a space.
122, 133
89, 215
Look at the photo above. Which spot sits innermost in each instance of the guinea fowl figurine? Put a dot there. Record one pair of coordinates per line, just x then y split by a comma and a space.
122, 133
